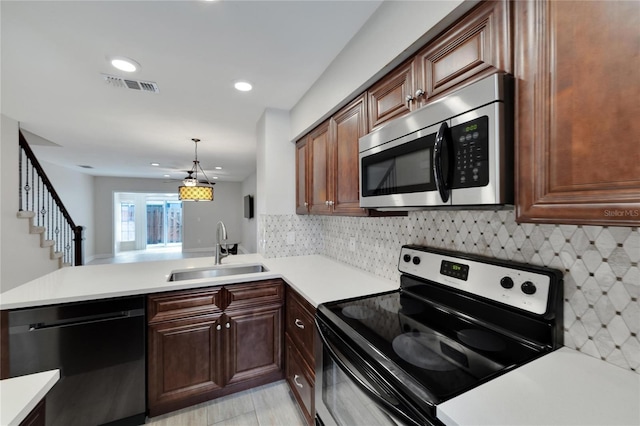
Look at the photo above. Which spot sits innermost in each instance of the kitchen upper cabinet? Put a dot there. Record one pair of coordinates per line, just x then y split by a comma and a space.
302, 181
212, 342
577, 89
327, 164
392, 96
476, 46
347, 127
320, 172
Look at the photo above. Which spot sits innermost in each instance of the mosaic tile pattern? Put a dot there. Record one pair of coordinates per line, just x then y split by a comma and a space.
602, 277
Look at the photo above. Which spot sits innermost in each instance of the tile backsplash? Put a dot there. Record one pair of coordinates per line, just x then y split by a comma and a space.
601, 281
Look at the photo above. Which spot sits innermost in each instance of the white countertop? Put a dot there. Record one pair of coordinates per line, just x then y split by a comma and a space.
565, 387
20, 395
318, 278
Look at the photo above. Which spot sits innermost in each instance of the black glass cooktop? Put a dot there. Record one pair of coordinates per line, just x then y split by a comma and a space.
443, 351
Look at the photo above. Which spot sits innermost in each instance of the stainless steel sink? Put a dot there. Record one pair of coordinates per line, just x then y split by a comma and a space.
216, 271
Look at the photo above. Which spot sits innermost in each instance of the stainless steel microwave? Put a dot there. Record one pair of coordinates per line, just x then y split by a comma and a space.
456, 151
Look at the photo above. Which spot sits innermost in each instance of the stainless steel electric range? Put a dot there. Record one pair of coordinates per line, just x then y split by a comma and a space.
457, 321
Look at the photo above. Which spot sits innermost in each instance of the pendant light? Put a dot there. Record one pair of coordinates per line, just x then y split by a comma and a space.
191, 190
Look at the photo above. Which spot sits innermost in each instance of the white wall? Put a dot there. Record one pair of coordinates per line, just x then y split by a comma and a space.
22, 259
395, 31
250, 226
276, 165
199, 218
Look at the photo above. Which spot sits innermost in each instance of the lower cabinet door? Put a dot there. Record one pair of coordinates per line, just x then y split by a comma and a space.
36, 417
253, 344
301, 380
184, 363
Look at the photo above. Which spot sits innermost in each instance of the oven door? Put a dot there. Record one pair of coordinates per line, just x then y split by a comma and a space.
349, 392
400, 173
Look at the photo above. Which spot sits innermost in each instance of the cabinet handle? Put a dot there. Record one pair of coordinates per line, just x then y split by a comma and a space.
409, 99
330, 203
326, 203
419, 93
306, 204
299, 324
295, 380
218, 327
227, 325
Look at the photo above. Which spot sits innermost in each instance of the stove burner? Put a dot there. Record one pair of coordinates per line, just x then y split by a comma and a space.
406, 306
480, 339
419, 349
358, 312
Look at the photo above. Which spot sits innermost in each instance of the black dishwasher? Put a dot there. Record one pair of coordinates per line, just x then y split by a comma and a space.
99, 347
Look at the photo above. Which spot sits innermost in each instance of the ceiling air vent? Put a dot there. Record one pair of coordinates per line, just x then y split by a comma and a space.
144, 86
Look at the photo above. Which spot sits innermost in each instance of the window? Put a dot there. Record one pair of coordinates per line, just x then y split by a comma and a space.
127, 221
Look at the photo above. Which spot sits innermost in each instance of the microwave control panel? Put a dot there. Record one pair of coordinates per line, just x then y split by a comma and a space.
471, 150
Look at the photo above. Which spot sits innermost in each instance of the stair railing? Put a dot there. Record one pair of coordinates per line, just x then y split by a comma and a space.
37, 194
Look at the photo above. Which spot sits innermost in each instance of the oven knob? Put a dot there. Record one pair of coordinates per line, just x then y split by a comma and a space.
406, 257
416, 260
506, 282
528, 287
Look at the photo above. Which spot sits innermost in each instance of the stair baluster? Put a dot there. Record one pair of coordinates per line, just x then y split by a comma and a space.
46, 210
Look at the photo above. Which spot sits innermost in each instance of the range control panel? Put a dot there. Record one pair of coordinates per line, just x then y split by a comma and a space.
514, 286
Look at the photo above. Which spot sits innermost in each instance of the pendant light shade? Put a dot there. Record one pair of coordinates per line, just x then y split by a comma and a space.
191, 189
195, 193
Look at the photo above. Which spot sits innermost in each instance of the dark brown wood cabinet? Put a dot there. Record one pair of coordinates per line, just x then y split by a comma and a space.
392, 96
320, 169
300, 352
254, 346
184, 362
206, 343
476, 46
577, 108
37, 416
302, 176
327, 164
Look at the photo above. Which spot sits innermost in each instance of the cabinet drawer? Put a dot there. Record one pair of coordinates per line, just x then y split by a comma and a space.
167, 306
301, 381
240, 296
300, 325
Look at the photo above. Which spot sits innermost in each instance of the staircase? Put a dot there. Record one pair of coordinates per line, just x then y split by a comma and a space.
42, 207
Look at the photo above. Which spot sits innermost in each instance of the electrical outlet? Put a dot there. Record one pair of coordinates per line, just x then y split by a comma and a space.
352, 244
291, 238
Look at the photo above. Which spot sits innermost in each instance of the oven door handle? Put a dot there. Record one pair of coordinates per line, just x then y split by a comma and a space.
369, 386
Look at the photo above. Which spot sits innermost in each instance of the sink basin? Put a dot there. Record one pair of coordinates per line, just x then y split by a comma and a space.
215, 271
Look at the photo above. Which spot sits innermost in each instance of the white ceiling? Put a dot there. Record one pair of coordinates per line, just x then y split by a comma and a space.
54, 52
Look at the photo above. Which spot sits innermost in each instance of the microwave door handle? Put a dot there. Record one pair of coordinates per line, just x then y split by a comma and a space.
442, 144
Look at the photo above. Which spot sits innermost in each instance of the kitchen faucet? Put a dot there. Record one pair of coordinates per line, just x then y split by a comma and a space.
221, 229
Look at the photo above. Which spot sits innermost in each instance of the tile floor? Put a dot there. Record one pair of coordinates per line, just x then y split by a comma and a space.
267, 405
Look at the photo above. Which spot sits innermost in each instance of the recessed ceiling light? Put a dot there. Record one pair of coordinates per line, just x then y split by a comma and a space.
123, 64
155, 164
218, 168
243, 86
215, 177
167, 175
